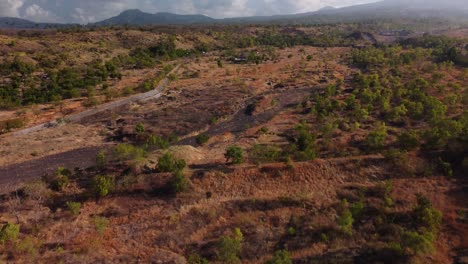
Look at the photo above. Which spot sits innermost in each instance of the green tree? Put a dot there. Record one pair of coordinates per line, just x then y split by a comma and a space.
234, 154
74, 208
202, 139
140, 128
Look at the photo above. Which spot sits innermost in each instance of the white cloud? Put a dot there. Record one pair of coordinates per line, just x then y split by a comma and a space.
37, 13
10, 7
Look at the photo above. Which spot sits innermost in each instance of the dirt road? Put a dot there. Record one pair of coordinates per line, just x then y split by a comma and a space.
76, 118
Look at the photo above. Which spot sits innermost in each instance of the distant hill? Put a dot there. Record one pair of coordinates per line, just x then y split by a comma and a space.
137, 17
18, 23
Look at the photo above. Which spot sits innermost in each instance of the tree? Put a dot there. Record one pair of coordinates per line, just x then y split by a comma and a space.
61, 179
101, 159
234, 154
74, 208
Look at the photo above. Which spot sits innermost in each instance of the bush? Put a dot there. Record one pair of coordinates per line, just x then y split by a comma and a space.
196, 259
168, 163
202, 139
376, 139
140, 128
179, 183
345, 218
234, 154
101, 224
9, 232
60, 179
408, 140
280, 257
74, 208
101, 159
126, 152
262, 153
103, 185
417, 243
230, 247
158, 142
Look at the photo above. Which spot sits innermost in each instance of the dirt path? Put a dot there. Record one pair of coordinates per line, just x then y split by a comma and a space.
76, 118
30, 170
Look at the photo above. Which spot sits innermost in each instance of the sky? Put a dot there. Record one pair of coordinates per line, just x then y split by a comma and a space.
88, 11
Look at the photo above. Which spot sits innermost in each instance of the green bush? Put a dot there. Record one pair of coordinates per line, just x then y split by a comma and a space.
408, 140
280, 257
102, 185
417, 243
74, 208
376, 139
168, 163
9, 232
234, 154
202, 139
140, 128
196, 259
127, 152
230, 247
345, 218
179, 183
158, 142
101, 224
101, 159
263, 154
60, 179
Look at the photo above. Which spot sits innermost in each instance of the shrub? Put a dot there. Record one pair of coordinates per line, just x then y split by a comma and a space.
345, 218
74, 208
36, 190
101, 159
262, 153
280, 257
140, 128
103, 185
426, 215
168, 163
101, 224
408, 140
158, 142
60, 179
234, 154
417, 243
9, 232
179, 183
196, 259
230, 247
376, 139
126, 152
202, 139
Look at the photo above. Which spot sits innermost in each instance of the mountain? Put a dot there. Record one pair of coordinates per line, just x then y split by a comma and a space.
18, 23
137, 17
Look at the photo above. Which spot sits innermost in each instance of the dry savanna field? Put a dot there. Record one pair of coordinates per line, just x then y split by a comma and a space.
266, 144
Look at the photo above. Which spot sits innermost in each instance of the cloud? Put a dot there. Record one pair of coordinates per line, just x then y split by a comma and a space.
36, 13
10, 7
